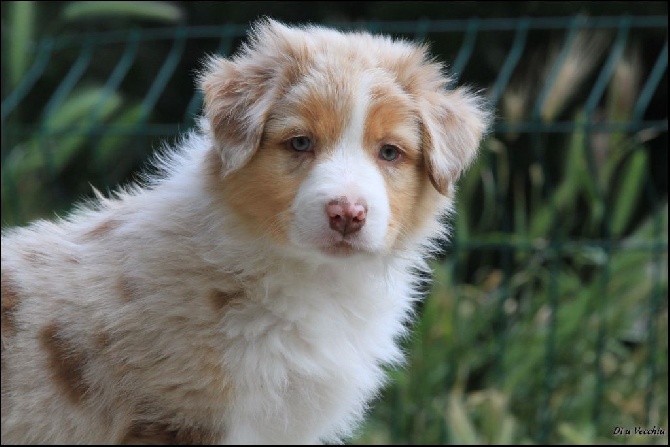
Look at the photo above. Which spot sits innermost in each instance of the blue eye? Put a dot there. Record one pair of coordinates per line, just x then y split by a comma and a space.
301, 144
389, 152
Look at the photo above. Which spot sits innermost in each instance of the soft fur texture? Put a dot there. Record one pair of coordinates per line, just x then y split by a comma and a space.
253, 291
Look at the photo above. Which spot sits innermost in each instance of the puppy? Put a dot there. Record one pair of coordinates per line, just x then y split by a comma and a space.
253, 291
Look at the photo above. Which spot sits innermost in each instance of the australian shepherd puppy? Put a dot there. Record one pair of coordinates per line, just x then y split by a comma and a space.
253, 291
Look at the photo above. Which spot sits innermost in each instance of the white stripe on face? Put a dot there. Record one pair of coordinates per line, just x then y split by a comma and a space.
348, 172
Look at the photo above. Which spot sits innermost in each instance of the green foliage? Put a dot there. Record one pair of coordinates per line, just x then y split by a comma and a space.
479, 369
144, 10
59, 142
66, 138
22, 23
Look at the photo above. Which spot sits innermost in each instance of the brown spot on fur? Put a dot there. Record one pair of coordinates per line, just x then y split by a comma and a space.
262, 191
102, 341
213, 165
10, 299
126, 289
35, 257
102, 229
146, 432
66, 363
220, 299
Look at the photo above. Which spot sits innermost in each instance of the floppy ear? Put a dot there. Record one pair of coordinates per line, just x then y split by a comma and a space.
240, 91
454, 122
237, 98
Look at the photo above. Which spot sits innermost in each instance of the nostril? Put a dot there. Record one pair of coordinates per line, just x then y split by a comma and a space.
335, 209
346, 217
359, 212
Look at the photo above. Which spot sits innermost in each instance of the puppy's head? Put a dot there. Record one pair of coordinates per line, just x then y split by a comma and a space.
337, 143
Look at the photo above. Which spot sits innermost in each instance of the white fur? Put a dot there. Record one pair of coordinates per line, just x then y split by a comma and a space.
298, 360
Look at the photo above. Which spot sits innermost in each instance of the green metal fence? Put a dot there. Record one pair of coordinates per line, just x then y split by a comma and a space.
548, 318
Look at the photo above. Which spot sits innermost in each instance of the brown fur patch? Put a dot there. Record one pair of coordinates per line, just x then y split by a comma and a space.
102, 229
220, 299
317, 107
213, 165
66, 362
392, 119
10, 299
35, 257
263, 190
126, 289
145, 432
102, 341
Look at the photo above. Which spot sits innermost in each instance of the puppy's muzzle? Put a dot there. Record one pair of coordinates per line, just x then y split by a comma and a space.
346, 216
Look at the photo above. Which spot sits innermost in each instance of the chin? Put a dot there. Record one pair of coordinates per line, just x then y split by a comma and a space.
255, 293
344, 249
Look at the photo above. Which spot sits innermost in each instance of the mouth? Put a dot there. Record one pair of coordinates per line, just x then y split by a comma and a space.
343, 248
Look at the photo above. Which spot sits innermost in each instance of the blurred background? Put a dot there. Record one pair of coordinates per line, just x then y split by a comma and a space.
548, 318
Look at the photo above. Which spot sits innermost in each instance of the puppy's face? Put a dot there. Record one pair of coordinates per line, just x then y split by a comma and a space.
337, 143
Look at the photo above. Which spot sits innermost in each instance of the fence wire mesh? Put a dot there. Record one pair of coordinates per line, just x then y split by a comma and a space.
548, 318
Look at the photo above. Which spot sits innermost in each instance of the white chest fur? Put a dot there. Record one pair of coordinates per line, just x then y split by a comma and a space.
306, 352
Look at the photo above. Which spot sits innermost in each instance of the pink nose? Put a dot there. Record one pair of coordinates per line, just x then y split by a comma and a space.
346, 217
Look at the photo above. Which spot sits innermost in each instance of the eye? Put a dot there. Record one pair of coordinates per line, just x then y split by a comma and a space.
300, 144
389, 152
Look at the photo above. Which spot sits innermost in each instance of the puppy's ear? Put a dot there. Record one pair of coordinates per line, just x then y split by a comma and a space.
237, 97
454, 122
240, 91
